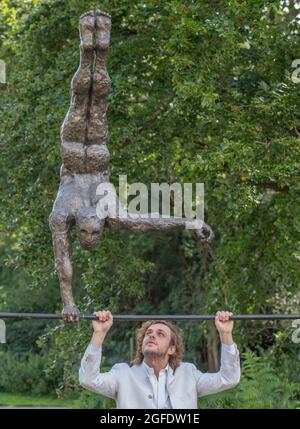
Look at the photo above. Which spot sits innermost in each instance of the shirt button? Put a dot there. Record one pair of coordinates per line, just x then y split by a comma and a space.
150, 396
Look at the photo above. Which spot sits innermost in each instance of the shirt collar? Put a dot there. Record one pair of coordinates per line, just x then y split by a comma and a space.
150, 370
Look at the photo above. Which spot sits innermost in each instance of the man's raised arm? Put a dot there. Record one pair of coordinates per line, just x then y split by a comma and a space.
90, 375
229, 374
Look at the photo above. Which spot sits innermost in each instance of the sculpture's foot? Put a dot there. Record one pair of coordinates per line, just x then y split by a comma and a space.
86, 29
88, 13
99, 12
205, 233
103, 26
71, 314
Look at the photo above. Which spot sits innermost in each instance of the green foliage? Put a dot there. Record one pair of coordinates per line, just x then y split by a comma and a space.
22, 400
263, 385
90, 400
26, 374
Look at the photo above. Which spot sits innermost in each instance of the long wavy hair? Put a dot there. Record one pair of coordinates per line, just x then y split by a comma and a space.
176, 340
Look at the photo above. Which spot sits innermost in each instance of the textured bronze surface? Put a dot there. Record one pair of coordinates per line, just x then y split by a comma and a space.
85, 157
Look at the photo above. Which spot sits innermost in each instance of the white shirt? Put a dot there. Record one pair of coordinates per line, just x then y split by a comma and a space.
161, 398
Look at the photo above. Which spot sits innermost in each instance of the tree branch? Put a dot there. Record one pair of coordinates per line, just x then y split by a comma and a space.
273, 186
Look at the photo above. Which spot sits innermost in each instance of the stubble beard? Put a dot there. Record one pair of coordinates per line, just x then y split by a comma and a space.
154, 355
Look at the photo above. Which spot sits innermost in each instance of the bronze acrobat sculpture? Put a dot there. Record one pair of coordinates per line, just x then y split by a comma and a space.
85, 156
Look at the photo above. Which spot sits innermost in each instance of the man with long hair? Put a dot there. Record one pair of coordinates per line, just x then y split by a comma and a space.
157, 378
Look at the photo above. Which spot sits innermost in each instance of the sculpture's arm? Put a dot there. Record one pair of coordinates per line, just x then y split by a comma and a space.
62, 255
139, 225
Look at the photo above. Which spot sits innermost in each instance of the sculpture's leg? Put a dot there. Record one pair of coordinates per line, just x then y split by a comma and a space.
140, 225
97, 154
74, 127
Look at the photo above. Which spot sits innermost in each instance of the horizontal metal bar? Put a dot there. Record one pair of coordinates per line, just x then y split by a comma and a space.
127, 317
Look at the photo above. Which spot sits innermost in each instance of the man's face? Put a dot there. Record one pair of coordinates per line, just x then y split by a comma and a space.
156, 342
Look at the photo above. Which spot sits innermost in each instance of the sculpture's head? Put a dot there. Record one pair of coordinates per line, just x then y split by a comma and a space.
89, 227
